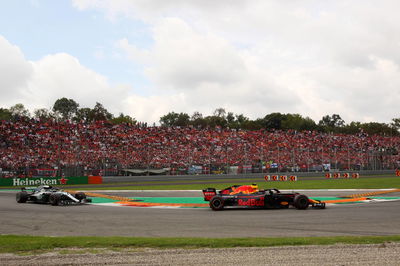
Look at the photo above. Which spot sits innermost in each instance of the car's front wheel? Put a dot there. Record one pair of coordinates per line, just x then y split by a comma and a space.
301, 202
217, 203
22, 197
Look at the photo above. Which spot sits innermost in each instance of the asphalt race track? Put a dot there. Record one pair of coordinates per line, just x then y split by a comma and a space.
375, 218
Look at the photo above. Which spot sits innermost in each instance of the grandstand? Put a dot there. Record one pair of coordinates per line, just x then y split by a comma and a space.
29, 145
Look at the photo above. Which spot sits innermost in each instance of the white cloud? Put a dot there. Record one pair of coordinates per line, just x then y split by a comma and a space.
15, 71
39, 84
208, 70
251, 57
61, 75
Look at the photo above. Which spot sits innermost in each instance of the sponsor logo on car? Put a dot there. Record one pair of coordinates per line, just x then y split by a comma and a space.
251, 202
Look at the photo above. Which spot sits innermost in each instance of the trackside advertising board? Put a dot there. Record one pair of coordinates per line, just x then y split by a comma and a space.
16, 182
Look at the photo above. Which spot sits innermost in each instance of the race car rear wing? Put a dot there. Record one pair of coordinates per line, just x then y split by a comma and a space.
209, 193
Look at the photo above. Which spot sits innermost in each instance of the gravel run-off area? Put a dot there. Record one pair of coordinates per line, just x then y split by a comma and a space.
379, 254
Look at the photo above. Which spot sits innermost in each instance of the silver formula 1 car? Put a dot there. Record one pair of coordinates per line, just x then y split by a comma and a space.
52, 195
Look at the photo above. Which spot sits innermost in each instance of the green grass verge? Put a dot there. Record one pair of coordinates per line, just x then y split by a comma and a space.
362, 183
368, 182
24, 244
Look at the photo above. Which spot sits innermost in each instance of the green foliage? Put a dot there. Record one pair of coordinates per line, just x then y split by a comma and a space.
43, 114
197, 120
288, 121
19, 110
396, 123
99, 113
214, 121
374, 128
5, 114
84, 115
273, 121
220, 112
352, 128
297, 122
123, 119
66, 108
174, 119
331, 123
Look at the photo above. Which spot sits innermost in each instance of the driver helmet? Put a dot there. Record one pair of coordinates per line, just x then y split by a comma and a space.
254, 186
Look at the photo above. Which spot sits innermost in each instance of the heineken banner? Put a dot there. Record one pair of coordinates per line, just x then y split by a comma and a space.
53, 181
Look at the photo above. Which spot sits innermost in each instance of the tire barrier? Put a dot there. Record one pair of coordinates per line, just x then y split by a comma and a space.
336, 175
355, 175
280, 178
328, 175
343, 175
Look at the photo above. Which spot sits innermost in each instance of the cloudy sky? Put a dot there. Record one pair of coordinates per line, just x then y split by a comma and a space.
146, 58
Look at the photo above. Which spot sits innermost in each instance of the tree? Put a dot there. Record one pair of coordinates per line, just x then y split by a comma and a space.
214, 121
197, 120
67, 108
230, 120
84, 115
5, 114
374, 128
43, 114
174, 119
242, 121
297, 122
169, 119
99, 113
220, 112
273, 120
308, 124
183, 120
19, 110
396, 124
123, 119
352, 128
331, 123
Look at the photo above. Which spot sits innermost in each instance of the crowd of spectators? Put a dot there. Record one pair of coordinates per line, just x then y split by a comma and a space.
37, 144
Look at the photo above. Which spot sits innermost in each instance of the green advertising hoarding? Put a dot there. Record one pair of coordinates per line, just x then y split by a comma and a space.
17, 182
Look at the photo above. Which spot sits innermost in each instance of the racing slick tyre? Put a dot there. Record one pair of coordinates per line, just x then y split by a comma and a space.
301, 202
22, 197
217, 203
80, 196
55, 199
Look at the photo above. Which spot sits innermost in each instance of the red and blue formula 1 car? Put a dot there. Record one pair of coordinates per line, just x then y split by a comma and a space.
251, 198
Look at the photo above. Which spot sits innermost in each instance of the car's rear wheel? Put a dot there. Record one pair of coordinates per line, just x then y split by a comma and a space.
301, 202
217, 203
22, 197
55, 199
